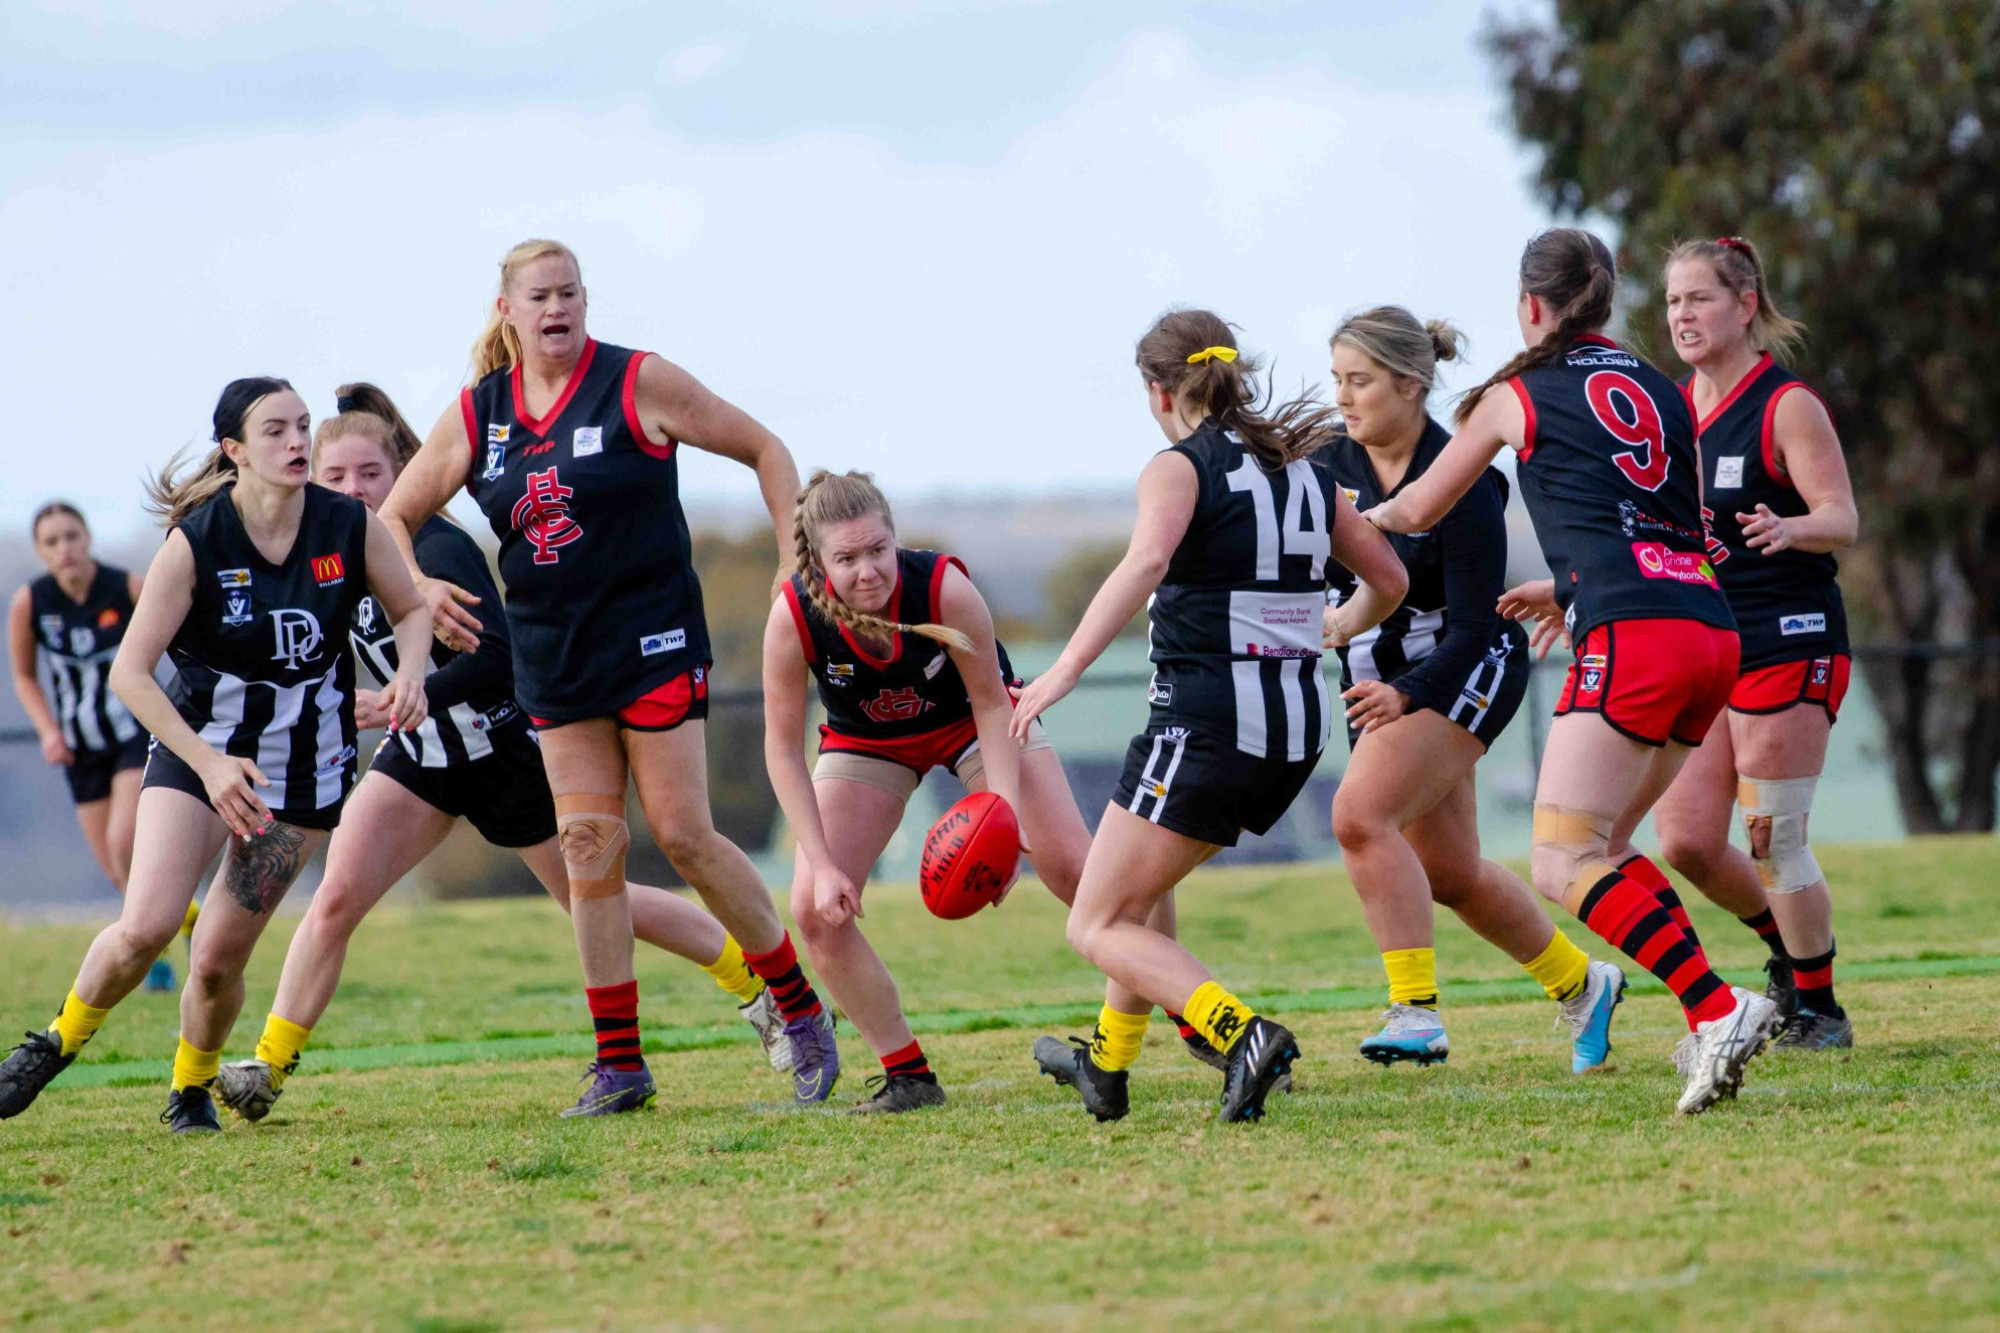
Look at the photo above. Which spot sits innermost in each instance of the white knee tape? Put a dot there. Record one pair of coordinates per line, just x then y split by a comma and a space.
1774, 813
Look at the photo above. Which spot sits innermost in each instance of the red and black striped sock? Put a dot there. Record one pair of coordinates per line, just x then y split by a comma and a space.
908, 1063
1635, 923
1814, 978
614, 1011
1766, 927
781, 972
1652, 879
1187, 1030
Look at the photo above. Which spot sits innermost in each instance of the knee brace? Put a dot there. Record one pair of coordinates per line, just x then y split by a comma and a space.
1581, 839
1774, 814
594, 839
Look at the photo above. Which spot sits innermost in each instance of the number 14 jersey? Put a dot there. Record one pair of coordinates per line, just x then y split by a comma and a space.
1237, 620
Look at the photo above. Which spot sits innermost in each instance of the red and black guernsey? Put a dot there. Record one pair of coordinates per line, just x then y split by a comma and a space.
1788, 605
602, 597
914, 691
1608, 474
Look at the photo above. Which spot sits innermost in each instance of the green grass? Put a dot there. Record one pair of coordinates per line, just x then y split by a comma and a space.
415, 1175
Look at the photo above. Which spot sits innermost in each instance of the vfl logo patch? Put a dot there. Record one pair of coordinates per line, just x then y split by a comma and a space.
673, 640
52, 630
542, 516
236, 608
328, 570
588, 440
1822, 670
233, 578
297, 635
496, 452
1802, 624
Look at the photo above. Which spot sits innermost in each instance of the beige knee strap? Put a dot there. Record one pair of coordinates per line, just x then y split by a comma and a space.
594, 838
1774, 815
1580, 837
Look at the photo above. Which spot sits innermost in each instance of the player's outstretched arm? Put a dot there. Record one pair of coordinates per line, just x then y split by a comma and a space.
1495, 424
960, 607
389, 579
1380, 577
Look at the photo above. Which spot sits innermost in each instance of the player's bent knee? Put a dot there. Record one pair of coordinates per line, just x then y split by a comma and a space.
594, 840
1570, 852
1774, 814
144, 940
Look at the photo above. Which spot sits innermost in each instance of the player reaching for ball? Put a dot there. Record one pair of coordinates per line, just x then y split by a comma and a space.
901, 646
1240, 522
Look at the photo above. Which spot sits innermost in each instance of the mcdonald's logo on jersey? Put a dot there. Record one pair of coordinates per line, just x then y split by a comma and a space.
328, 570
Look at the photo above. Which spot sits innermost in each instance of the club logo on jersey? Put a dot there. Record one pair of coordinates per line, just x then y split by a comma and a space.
1729, 473
586, 441
1802, 624
298, 637
108, 618
82, 641
1160, 692
935, 665
1658, 562
236, 608
52, 630
1718, 550
542, 516
651, 645
897, 705
233, 578
328, 570
840, 673
364, 616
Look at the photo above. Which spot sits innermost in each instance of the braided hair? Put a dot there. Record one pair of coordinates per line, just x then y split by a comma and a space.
1573, 271
838, 497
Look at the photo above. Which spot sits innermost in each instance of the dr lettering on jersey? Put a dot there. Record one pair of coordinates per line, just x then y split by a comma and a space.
298, 636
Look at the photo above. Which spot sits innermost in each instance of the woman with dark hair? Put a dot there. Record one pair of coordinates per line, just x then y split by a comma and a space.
258, 575
1610, 472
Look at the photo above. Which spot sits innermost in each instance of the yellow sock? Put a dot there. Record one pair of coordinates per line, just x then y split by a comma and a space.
733, 974
281, 1046
77, 1022
1413, 976
1562, 968
194, 1069
1115, 1044
193, 915
1217, 1015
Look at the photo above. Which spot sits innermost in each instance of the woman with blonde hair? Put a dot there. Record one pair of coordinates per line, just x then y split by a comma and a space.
571, 447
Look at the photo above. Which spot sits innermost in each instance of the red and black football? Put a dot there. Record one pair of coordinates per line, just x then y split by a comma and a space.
970, 856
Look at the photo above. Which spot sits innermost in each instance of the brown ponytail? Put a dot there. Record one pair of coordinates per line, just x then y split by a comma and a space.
831, 498
1572, 271
172, 498
1740, 268
1179, 353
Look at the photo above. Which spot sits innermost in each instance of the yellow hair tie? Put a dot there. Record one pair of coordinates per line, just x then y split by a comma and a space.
1218, 353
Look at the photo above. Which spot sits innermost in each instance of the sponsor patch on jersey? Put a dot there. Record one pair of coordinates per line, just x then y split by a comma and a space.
236, 608
1729, 473
1799, 623
1658, 562
497, 433
1597, 661
588, 440
651, 645
233, 578
840, 673
935, 665
329, 570
1160, 692
1353, 496
1277, 624
107, 618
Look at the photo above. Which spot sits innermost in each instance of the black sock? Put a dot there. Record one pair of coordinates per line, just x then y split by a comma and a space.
1766, 927
1814, 978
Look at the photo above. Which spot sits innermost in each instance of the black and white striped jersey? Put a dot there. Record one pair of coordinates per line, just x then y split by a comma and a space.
259, 676
1439, 646
76, 642
470, 694
1236, 621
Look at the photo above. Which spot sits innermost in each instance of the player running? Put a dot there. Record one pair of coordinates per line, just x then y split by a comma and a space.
1238, 522
1779, 503
1608, 466
571, 447
1428, 691
474, 757
256, 747
68, 623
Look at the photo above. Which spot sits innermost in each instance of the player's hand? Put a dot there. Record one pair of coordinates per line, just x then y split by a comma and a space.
1537, 598
1042, 694
454, 626
230, 782
404, 701
1765, 531
1546, 634
56, 750
1332, 633
369, 714
1374, 703
834, 896
1385, 517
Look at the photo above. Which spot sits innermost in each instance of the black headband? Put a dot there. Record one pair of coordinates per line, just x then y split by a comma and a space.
346, 404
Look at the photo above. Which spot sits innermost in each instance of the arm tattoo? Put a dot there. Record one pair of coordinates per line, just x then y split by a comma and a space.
260, 870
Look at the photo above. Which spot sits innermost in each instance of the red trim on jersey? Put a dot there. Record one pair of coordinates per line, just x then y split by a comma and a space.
799, 620
1778, 474
1596, 338
1729, 399
632, 422
471, 424
541, 427
895, 605
1528, 409
937, 585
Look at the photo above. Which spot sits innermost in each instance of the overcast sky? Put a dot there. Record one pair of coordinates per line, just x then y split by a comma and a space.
918, 238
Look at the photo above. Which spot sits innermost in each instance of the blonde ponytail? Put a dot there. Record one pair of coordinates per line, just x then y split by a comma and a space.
830, 498
498, 347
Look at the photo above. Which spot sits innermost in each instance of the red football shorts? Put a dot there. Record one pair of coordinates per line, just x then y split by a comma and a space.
664, 707
1654, 680
1814, 680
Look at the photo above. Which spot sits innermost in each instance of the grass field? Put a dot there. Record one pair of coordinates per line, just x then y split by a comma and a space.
415, 1175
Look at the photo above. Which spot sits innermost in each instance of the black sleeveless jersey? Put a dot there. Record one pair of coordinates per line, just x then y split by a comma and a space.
1431, 644
916, 689
264, 668
1237, 620
1608, 474
601, 592
1788, 606
77, 641
469, 697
